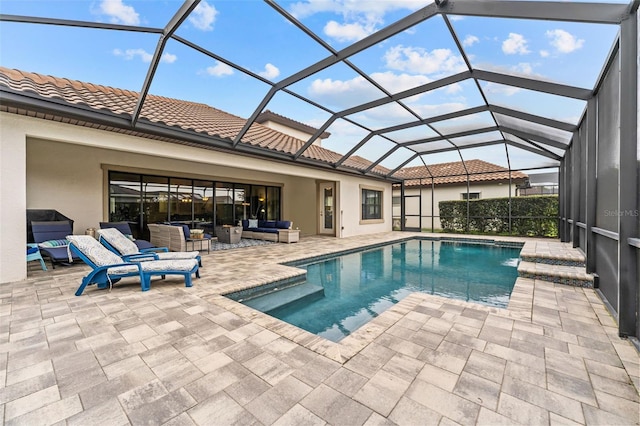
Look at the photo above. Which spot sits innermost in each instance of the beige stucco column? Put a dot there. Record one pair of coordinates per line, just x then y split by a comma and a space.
13, 200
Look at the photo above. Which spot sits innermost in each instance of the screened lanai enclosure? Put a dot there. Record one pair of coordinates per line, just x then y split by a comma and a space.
533, 87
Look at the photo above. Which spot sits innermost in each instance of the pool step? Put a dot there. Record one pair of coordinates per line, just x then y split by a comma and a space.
559, 274
552, 253
285, 296
555, 262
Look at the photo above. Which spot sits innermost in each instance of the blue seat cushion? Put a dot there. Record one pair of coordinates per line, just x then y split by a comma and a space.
283, 224
266, 230
142, 244
31, 250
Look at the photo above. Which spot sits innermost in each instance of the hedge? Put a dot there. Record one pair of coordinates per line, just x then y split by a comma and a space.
535, 215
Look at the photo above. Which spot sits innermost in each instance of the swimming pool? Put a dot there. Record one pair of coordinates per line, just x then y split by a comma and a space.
343, 293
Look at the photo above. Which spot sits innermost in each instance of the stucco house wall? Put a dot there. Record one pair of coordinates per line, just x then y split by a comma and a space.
445, 193
54, 165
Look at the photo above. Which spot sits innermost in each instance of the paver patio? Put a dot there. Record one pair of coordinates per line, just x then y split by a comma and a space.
183, 356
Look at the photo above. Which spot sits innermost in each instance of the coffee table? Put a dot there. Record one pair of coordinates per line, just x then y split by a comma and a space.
229, 234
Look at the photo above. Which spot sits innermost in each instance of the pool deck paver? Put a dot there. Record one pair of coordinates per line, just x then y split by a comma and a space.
188, 356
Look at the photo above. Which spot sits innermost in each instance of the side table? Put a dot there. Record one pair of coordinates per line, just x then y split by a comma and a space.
288, 235
203, 243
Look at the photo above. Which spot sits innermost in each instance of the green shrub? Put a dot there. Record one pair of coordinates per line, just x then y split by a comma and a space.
530, 216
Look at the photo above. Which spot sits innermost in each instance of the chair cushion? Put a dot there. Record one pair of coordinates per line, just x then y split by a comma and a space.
120, 226
283, 224
118, 241
159, 266
268, 224
178, 255
54, 243
94, 251
143, 244
169, 265
32, 250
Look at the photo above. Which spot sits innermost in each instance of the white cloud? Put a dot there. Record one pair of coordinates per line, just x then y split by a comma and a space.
500, 89
515, 44
303, 9
454, 88
348, 32
168, 58
358, 18
544, 53
145, 56
119, 12
336, 89
429, 110
419, 60
203, 16
563, 41
523, 69
470, 40
219, 70
342, 92
270, 72
399, 82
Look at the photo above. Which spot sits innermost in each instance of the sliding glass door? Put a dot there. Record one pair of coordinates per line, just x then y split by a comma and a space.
141, 199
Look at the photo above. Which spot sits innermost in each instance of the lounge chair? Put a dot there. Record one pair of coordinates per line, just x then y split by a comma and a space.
109, 268
126, 230
118, 243
33, 253
51, 239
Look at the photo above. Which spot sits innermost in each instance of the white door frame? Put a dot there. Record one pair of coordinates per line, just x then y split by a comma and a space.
327, 208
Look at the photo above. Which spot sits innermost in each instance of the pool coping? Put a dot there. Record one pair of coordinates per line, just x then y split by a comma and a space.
519, 307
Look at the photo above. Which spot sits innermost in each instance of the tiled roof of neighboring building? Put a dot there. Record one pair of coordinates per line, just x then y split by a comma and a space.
190, 116
455, 173
286, 121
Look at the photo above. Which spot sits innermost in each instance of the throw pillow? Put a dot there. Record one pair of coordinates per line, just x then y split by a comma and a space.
253, 223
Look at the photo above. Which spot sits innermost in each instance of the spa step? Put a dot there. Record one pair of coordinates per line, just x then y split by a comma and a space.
283, 297
559, 274
552, 253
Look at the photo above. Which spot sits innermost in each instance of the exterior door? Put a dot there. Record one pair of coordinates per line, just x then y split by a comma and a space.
327, 204
412, 213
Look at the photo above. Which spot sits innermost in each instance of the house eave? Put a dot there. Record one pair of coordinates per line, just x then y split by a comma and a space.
57, 110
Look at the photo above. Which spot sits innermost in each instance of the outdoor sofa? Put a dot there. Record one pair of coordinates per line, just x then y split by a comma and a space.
264, 229
172, 236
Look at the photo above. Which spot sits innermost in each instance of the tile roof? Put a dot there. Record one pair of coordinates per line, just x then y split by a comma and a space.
268, 115
455, 173
204, 119
190, 116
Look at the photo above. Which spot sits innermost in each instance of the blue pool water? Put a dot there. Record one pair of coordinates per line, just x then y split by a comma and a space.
343, 293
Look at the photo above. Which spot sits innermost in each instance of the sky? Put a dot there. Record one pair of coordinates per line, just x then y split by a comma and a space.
253, 36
